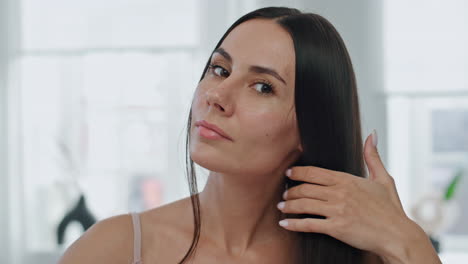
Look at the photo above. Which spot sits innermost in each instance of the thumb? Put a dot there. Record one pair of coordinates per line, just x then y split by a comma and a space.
377, 171
376, 168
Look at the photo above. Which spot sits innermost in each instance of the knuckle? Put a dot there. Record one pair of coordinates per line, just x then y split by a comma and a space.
304, 190
306, 225
342, 194
291, 193
341, 209
389, 180
300, 190
291, 206
309, 225
310, 172
375, 155
343, 225
302, 205
336, 230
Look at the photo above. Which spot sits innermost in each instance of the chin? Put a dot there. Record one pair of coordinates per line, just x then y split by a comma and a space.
208, 157
212, 160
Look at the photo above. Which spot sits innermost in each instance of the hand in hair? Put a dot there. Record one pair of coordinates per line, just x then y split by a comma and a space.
363, 212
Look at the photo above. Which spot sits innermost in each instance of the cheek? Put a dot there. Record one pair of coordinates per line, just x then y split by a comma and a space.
197, 101
199, 96
196, 94
267, 128
267, 142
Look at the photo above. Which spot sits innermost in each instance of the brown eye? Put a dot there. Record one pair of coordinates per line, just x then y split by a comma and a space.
220, 71
264, 88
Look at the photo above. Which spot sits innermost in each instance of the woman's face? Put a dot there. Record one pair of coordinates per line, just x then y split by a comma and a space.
249, 94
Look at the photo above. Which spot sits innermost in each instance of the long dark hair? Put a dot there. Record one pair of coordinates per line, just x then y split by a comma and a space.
327, 111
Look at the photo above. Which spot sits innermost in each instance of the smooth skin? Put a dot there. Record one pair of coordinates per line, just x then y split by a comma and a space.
246, 174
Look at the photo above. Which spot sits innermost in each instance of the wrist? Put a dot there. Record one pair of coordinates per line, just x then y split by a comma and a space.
409, 244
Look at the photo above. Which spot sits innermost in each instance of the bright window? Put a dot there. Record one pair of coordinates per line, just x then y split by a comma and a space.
105, 95
426, 62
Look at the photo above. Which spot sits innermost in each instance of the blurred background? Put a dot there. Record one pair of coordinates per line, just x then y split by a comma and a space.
94, 99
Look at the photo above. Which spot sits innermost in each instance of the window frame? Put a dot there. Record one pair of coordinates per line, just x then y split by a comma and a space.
409, 152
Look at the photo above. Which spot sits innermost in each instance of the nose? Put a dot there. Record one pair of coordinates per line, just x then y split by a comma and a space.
219, 98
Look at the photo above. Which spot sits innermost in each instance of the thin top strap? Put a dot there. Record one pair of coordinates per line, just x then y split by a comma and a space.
136, 238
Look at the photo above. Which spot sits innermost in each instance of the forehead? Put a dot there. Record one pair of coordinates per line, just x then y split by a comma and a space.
262, 42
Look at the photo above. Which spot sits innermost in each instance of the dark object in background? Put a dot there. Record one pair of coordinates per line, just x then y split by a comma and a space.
79, 213
435, 244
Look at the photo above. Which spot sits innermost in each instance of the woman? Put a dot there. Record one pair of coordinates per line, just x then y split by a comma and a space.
276, 108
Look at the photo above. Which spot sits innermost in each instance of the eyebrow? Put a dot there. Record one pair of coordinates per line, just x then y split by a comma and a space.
252, 68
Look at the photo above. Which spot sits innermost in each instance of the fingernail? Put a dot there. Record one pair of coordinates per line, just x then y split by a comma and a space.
280, 205
375, 139
285, 194
288, 172
283, 222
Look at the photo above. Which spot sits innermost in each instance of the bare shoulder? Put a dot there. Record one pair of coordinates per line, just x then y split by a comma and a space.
168, 215
108, 241
111, 240
166, 232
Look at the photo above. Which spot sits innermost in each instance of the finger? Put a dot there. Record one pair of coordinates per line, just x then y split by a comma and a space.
377, 171
313, 174
307, 190
310, 225
376, 168
305, 206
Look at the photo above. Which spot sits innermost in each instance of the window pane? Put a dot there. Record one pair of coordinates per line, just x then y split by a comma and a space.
450, 158
450, 130
427, 150
107, 125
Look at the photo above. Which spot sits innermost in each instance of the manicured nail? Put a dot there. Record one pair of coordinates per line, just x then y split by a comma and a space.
283, 223
285, 194
280, 205
288, 172
375, 139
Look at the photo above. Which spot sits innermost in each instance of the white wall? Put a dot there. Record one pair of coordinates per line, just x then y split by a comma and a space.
426, 46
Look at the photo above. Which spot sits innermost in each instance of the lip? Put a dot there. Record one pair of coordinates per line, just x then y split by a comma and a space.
213, 127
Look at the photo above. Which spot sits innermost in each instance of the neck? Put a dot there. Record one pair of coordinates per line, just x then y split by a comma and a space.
240, 212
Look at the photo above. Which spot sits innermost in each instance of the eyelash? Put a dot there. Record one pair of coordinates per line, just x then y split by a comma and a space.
211, 68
